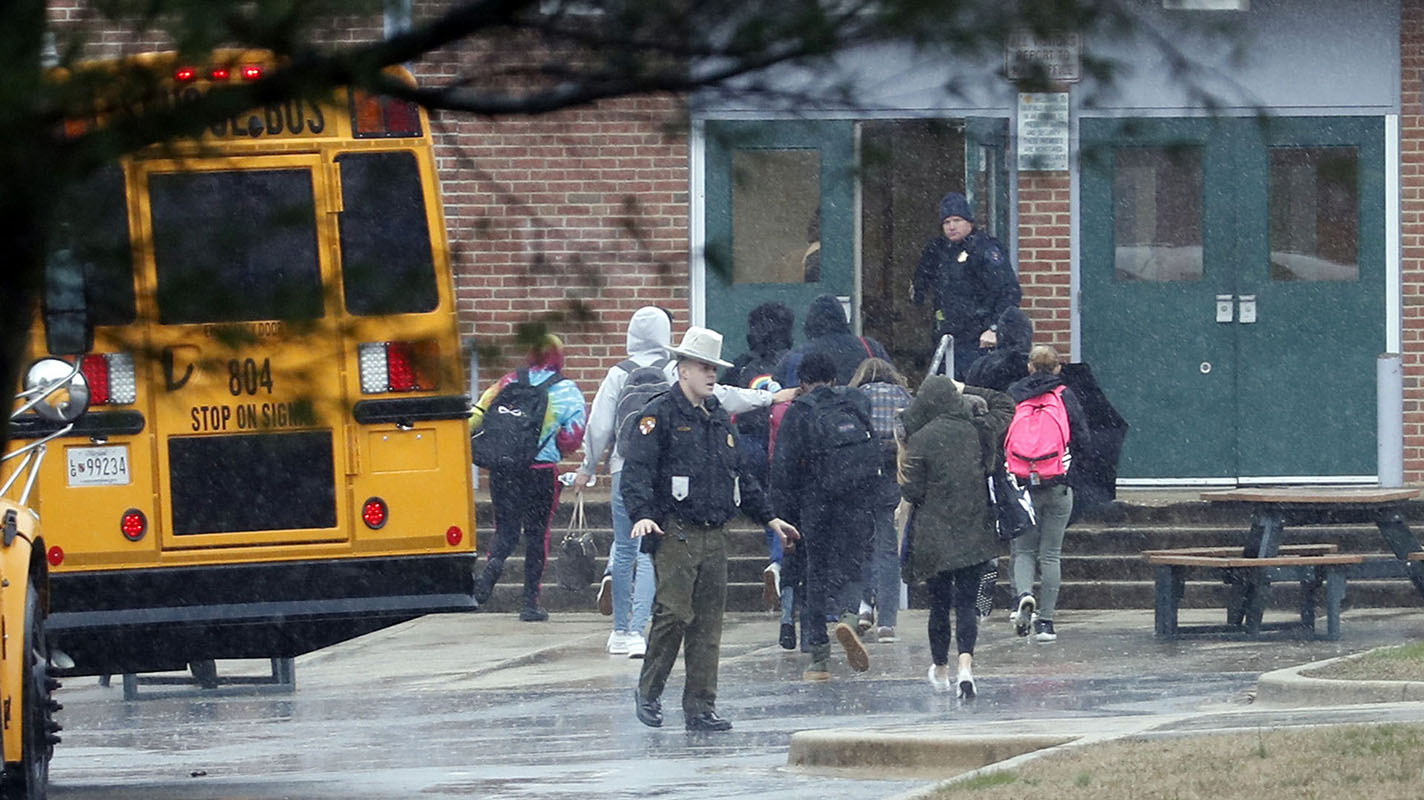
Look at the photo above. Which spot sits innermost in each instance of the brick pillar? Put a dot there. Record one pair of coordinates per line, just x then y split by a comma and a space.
1411, 208
1044, 260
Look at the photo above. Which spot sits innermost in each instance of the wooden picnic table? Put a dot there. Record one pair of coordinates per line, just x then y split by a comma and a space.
1272, 510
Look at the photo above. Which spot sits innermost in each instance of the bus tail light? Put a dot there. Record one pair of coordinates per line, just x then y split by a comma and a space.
453, 535
133, 524
375, 115
398, 366
55, 556
374, 513
111, 377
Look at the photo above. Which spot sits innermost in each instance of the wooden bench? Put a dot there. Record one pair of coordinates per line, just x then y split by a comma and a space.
1314, 565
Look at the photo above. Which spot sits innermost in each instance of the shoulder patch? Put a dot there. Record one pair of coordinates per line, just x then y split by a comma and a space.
647, 424
996, 255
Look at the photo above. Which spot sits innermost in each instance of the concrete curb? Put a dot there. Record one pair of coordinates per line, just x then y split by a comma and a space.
908, 752
1288, 687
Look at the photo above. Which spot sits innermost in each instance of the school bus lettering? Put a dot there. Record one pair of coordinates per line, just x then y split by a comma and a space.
246, 377
210, 418
291, 118
252, 416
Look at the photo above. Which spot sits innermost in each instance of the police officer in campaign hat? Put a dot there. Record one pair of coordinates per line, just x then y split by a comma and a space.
682, 482
972, 282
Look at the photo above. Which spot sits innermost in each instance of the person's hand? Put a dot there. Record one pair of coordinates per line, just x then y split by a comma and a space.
988, 339
913, 299
645, 526
582, 479
786, 531
785, 395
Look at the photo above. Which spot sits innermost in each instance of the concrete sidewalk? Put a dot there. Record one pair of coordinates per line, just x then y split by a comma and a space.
1026, 703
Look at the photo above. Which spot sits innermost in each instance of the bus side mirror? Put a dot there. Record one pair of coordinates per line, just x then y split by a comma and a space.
65, 392
68, 327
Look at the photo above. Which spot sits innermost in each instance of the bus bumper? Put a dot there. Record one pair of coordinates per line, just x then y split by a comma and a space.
154, 620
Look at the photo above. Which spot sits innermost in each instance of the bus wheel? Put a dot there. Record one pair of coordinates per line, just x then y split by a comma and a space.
29, 779
205, 672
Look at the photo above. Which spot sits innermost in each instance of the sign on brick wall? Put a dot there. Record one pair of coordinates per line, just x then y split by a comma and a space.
1043, 131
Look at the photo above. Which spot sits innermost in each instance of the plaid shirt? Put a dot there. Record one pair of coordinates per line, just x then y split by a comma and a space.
886, 400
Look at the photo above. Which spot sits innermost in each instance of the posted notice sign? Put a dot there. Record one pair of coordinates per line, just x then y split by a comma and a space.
1043, 132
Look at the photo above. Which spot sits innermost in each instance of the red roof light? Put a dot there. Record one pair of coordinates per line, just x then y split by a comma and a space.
185, 74
251, 72
220, 73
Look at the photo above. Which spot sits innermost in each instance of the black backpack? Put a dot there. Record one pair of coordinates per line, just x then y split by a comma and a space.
509, 437
845, 453
643, 384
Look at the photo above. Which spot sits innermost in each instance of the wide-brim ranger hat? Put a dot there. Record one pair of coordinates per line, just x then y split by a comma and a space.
701, 344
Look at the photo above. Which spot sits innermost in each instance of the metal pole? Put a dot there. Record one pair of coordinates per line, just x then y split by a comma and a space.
1389, 416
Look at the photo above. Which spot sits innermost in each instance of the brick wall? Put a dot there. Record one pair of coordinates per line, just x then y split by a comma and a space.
1411, 207
1043, 257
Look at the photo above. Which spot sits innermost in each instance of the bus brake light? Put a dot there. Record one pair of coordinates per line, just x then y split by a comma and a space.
379, 116
374, 513
133, 525
111, 378
454, 535
55, 556
398, 366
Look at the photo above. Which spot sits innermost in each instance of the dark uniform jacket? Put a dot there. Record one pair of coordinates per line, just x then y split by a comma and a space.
972, 283
683, 462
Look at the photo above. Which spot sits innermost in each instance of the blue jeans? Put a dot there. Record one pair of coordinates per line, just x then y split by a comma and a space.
882, 564
633, 580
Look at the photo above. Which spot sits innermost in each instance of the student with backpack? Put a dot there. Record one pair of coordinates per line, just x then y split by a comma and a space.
828, 331
826, 467
1048, 425
888, 394
768, 339
628, 586
522, 426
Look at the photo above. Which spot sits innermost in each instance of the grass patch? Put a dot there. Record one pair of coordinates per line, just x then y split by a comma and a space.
1402, 663
1317, 763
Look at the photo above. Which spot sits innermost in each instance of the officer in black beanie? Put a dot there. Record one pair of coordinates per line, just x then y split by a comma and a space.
967, 273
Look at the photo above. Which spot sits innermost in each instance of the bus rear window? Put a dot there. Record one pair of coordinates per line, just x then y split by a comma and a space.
93, 225
235, 246
386, 261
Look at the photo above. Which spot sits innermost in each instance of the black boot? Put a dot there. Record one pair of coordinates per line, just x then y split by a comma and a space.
484, 584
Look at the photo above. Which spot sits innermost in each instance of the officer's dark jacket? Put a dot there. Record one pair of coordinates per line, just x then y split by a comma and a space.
972, 292
675, 439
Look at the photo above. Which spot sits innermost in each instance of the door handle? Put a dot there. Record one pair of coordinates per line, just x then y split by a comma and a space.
1247, 315
1224, 307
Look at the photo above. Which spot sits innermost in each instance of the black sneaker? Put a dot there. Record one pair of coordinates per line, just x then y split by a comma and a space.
533, 614
1043, 631
788, 636
1022, 615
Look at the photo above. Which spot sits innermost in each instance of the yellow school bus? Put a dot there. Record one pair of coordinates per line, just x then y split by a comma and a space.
275, 456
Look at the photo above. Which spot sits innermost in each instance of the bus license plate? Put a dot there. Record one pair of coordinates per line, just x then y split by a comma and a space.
98, 466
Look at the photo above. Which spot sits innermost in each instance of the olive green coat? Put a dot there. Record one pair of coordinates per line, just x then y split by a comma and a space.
949, 452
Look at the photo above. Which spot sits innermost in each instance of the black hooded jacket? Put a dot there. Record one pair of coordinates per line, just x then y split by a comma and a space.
1008, 362
1079, 436
768, 337
827, 331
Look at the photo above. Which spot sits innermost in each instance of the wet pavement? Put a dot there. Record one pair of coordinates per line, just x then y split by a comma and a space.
482, 705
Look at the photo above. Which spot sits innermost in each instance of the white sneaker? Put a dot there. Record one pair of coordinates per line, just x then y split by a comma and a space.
1022, 615
618, 643
637, 645
966, 684
939, 677
771, 586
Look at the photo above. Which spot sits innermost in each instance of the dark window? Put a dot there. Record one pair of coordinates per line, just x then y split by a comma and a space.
253, 482
92, 223
235, 246
386, 262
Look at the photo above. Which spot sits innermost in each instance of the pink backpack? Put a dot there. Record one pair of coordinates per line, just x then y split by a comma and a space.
1036, 445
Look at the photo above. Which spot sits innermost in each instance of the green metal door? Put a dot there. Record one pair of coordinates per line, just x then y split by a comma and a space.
1232, 278
780, 209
